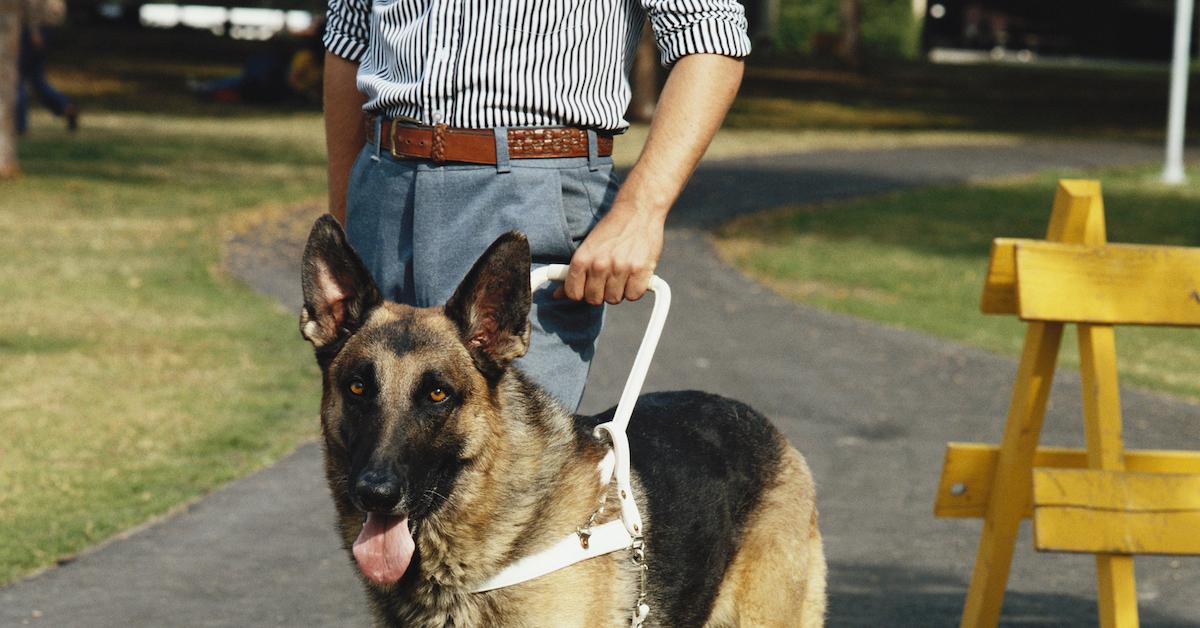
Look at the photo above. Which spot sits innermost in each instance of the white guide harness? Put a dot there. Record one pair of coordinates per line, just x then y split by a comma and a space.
626, 533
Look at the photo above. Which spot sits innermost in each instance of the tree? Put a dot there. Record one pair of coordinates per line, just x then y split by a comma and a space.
10, 38
850, 44
645, 78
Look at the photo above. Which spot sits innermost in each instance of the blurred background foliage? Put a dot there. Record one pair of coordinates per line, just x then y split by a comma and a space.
810, 28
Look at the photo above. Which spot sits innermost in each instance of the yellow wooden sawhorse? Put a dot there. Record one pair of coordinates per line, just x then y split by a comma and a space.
1103, 499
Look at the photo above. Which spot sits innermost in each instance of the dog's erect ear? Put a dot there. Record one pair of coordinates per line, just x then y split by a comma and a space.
338, 291
491, 305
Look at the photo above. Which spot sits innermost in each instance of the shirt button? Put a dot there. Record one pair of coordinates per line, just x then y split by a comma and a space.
443, 54
437, 116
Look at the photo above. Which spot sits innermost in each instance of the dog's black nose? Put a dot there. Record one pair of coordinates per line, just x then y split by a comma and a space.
378, 490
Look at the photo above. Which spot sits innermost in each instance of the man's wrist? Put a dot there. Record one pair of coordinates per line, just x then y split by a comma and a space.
635, 198
641, 210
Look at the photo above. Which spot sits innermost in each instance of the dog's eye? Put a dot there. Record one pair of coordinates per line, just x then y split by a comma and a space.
437, 395
357, 388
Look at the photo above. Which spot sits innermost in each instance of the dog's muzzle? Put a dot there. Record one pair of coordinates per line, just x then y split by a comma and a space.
378, 490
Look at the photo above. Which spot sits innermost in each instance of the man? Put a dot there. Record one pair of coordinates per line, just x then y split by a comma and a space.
38, 18
545, 82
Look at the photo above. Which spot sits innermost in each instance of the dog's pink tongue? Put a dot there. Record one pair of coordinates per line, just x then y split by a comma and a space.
384, 548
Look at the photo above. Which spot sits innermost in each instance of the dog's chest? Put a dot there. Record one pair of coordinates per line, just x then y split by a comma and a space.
595, 593
430, 605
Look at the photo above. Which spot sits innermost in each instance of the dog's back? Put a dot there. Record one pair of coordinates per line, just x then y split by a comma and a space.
731, 535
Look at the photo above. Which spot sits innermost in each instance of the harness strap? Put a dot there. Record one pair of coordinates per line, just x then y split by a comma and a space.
605, 538
615, 535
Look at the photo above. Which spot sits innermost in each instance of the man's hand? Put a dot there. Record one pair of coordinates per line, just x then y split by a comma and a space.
618, 257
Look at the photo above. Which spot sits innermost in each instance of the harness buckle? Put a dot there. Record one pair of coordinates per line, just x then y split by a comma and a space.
637, 555
637, 552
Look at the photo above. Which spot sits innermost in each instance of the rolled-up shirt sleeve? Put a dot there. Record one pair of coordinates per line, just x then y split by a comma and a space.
346, 23
684, 27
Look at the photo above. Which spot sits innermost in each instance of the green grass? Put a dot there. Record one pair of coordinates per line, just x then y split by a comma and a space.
137, 375
917, 259
1087, 102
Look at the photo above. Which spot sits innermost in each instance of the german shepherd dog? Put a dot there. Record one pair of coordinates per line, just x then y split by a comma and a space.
446, 465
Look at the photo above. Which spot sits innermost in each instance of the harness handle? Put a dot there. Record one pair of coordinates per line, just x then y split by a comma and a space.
633, 387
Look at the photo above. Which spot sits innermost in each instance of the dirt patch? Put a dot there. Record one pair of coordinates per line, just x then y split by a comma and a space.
263, 248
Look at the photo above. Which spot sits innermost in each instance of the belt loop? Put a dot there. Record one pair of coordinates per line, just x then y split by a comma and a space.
377, 122
593, 151
502, 164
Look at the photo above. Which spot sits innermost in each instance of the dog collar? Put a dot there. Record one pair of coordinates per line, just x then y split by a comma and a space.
615, 535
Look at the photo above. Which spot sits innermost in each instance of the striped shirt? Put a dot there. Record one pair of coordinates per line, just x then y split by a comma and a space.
493, 63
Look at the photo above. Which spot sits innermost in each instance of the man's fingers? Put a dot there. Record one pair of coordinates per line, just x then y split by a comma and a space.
606, 276
598, 284
614, 288
593, 291
573, 287
637, 285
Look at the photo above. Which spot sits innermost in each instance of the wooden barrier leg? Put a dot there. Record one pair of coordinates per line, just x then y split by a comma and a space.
1116, 590
1012, 484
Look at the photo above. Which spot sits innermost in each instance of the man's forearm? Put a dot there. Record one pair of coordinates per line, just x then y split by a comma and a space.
344, 133
617, 259
694, 101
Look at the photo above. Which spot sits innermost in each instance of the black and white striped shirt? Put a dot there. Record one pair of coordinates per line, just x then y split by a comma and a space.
490, 63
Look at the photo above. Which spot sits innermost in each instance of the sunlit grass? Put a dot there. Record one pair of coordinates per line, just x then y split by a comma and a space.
137, 375
917, 259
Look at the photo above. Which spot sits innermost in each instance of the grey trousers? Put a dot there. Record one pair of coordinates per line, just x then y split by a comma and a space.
419, 227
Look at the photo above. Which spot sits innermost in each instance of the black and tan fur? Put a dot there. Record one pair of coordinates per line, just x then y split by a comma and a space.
498, 470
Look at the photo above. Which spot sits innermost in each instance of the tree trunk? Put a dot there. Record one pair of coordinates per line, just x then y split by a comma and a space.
645, 78
10, 38
850, 46
766, 30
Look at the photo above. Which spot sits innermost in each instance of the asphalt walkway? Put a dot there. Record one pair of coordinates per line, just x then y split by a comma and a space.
871, 407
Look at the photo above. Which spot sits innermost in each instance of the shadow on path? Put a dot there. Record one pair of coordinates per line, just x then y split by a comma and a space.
886, 595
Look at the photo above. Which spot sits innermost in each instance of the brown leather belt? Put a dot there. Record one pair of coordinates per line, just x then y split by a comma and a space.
441, 144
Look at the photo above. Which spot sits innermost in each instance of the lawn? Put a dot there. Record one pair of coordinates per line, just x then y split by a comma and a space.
1027, 99
917, 259
137, 374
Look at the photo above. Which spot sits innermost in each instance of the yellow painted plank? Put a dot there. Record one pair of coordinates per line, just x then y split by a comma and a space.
969, 470
1000, 286
1125, 491
1110, 532
1113, 284
1101, 397
1011, 486
1115, 587
1077, 217
1118, 604
1078, 212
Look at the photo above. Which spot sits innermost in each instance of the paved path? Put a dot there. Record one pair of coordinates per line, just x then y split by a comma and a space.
871, 407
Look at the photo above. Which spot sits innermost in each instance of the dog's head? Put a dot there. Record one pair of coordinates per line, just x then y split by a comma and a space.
408, 392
